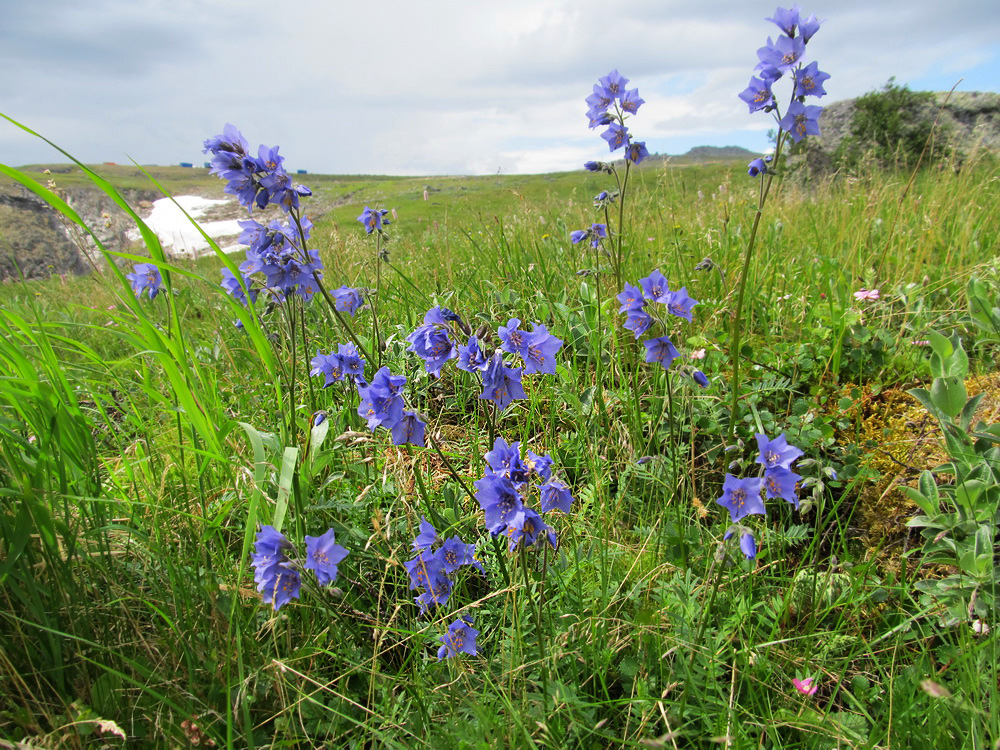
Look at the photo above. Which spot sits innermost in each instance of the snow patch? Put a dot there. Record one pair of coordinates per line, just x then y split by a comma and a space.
179, 235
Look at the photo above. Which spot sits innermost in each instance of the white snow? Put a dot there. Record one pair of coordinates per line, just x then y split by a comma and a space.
178, 235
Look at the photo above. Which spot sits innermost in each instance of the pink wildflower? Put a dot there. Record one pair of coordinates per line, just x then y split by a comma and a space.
866, 295
698, 354
805, 686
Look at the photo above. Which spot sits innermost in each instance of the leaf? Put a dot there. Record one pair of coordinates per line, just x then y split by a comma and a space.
929, 487
924, 397
969, 410
948, 395
288, 461
925, 504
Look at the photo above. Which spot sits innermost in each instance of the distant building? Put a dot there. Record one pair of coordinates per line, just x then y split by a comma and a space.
301, 171
187, 164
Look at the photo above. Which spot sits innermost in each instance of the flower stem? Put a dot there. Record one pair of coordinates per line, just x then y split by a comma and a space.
734, 385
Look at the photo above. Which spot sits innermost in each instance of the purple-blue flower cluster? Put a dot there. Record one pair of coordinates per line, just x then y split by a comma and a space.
145, 277
742, 497
382, 406
431, 569
277, 250
278, 577
610, 92
435, 343
639, 318
337, 366
777, 58
502, 490
254, 180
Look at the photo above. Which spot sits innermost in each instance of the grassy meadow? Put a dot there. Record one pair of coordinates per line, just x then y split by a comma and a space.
145, 441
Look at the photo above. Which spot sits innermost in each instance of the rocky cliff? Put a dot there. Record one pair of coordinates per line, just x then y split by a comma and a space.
968, 120
36, 241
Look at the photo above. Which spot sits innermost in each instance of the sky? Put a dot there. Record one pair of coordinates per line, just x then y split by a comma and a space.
443, 87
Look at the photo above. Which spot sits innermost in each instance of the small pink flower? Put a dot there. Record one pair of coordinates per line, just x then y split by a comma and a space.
805, 686
698, 354
866, 295
920, 342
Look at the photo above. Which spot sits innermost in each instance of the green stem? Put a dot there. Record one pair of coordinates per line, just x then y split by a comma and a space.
734, 386
376, 337
331, 303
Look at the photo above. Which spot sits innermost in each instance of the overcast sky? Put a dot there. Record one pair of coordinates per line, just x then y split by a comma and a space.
443, 87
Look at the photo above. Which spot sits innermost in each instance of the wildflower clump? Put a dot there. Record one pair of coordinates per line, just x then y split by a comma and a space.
277, 250
382, 406
783, 58
502, 490
742, 497
436, 343
278, 576
640, 317
432, 570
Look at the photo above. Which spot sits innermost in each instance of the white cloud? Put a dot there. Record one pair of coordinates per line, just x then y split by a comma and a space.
444, 87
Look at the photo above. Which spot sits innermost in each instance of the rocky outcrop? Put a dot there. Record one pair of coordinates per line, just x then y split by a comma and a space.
36, 241
968, 120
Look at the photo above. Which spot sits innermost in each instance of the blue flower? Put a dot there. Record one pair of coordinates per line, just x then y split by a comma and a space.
471, 357
809, 27
432, 342
408, 430
776, 453
616, 135
540, 350
782, 54
347, 299
638, 321
381, 402
741, 497
460, 639
786, 20
425, 568
281, 587
655, 287
499, 500
781, 482
680, 304
661, 350
555, 496
505, 460
323, 555
145, 277
631, 101
427, 536
636, 152
756, 167
613, 84
373, 219
809, 81
631, 299
801, 120
758, 94
501, 384
526, 527
455, 553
